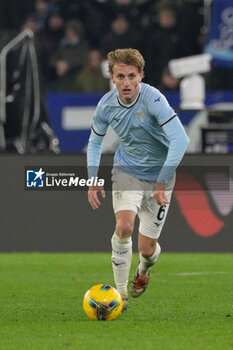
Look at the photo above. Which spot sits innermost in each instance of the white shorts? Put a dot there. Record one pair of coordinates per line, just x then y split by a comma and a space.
130, 193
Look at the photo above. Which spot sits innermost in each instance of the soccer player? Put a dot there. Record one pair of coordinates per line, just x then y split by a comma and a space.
152, 143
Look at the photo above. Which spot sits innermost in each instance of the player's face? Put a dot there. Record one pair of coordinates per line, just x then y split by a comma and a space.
127, 79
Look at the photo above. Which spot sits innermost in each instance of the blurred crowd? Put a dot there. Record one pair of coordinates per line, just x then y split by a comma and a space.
73, 37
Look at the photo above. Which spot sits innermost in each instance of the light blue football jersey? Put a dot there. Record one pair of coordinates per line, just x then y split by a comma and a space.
143, 143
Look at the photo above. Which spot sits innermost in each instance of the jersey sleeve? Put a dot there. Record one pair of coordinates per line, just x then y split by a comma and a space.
178, 144
100, 123
94, 151
159, 107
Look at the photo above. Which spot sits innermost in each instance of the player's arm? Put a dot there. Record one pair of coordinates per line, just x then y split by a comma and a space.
178, 144
169, 121
94, 151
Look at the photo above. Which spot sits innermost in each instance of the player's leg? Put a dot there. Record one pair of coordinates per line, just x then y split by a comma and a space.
152, 218
127, 198
149, 250
151, 224
122, 250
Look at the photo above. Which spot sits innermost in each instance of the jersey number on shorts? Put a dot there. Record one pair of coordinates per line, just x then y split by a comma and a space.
161, 213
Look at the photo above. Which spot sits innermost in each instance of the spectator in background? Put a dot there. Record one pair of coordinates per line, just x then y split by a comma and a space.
137, 13
168, 82
71, 9
31, 23
99, 14
50, 38
53, 33
41, 12
121, 36
163, 45
90, 78
55, 6
134, 10
191, 20
70, 56
126, 8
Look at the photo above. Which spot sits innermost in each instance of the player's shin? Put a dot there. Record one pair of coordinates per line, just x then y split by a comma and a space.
121, 261
146, 263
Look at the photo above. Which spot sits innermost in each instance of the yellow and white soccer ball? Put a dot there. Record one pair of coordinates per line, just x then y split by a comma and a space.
102, 302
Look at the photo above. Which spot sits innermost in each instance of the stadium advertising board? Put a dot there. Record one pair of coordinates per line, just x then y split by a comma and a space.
200, 217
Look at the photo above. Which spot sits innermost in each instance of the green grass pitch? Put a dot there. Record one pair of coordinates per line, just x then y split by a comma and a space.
187, 306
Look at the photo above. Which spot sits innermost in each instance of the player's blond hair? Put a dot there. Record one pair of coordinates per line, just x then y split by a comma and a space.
131, 57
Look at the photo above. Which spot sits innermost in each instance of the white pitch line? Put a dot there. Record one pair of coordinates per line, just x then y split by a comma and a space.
203, 273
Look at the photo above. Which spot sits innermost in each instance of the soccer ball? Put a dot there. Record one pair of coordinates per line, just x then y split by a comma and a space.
102, 302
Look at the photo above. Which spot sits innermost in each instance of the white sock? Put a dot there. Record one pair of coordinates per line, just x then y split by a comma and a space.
146, 263
121, 261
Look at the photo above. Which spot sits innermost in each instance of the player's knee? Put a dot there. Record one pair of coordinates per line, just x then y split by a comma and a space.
124, 229
148, 250
147, 253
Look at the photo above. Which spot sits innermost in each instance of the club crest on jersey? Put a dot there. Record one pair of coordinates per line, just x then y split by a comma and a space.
140, 115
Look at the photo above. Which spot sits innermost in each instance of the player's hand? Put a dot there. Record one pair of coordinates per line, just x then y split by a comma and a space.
93, 196
159, 194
